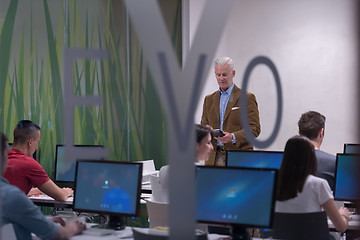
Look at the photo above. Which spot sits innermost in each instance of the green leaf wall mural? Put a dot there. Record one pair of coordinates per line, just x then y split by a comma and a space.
131, 122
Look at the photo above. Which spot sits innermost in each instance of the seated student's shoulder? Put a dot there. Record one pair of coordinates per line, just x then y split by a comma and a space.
317, 182
12, 193
315, 179
325, 155
31, 163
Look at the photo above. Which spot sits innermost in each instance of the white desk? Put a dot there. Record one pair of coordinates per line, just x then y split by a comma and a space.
44, 200
124, 234
353, 225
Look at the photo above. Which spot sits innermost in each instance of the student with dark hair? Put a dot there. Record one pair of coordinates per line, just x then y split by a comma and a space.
312, 125
26, 218
300, 191
160, 184
204, 136
25, 172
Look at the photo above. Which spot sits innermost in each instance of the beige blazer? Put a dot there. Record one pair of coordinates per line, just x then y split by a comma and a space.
232, 122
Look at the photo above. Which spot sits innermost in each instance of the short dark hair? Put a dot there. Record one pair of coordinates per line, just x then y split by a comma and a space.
201, 132
24, 130
299, 161
4, 143
310, 124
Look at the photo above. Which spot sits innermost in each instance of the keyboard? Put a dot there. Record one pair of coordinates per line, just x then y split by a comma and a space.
354, 217
98, 231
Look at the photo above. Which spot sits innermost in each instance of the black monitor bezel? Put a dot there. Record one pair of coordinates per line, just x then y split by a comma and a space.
62, 182
273, 197
252, 151
137, 208
357, 201
350, 144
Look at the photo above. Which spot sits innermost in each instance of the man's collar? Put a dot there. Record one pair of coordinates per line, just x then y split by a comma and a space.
229, 90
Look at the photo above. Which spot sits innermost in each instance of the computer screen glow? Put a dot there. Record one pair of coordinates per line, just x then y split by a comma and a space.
350, 148
240, 196
254, 159
108, 187
65, 170
347, 177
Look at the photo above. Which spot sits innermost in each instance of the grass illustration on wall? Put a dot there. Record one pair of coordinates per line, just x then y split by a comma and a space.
131, 122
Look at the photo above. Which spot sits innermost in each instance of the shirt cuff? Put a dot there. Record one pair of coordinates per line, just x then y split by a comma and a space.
233, 138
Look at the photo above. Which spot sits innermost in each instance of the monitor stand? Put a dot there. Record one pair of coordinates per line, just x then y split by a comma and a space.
239, 233
115, 222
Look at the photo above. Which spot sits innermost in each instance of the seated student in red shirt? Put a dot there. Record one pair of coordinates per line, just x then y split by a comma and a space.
25, 172
25, 217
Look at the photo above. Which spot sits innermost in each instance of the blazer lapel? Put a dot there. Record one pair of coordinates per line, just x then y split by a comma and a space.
233, 101
216, 108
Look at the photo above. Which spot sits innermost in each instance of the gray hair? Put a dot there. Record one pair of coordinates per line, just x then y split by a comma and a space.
225, 61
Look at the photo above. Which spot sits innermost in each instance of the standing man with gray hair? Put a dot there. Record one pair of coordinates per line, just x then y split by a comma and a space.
312, 125
221, 110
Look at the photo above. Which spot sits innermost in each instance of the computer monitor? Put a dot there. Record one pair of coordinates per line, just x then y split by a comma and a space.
240, 197
254, 159
108, 187
351, 148
65, 170
347, 178
33, 156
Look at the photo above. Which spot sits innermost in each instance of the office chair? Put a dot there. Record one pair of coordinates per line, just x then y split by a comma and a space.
158, 214
7, 232
300, 226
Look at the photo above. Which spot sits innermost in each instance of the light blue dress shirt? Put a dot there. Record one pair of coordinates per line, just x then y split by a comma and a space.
224, 99
23, 214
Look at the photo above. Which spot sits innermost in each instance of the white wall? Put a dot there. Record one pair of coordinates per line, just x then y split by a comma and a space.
314, 47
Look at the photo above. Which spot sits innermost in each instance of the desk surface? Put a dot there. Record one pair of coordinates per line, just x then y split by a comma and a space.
126, 234
44, 200
123, 234
353, 225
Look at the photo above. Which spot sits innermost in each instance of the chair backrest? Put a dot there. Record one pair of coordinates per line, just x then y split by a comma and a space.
7, 232
300, 226
158, 213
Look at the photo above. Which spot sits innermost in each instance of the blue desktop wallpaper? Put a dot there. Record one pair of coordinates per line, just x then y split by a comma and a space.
65, 170
234, 196
254, 159
352, 148
107, 187
347, 179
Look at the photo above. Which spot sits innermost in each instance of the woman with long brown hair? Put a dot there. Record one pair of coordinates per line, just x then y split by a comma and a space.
300, 191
